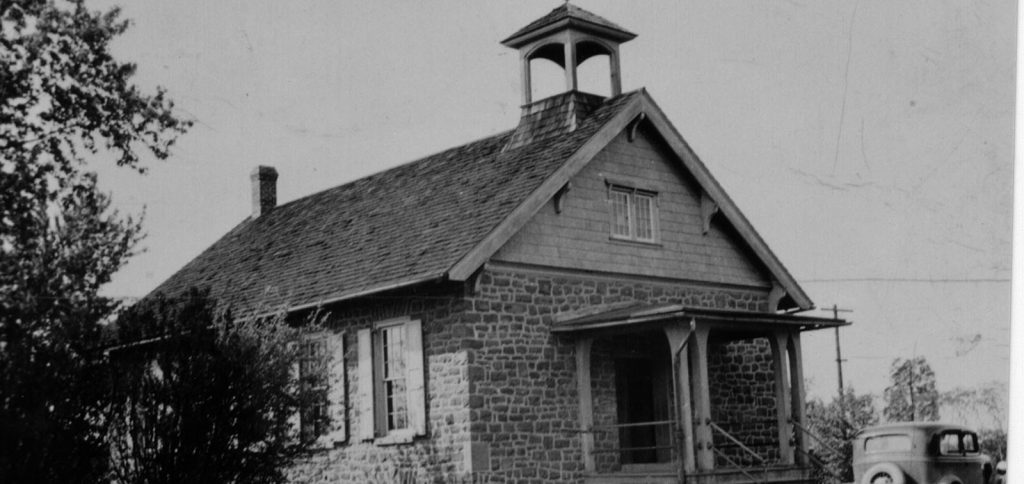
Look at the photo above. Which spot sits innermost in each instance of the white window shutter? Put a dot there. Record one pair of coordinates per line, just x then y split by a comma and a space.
294, 420
364, 385
336, 396
417, 403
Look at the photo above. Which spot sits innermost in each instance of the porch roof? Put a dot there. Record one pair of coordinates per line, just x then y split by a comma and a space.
637, 314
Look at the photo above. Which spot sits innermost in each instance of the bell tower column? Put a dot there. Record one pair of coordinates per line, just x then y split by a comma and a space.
527, 88
571, 83
613, 68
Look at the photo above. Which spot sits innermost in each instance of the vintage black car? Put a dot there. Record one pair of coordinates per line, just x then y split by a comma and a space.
919, 453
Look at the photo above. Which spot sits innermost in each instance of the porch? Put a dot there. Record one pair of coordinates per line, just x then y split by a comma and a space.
669, 393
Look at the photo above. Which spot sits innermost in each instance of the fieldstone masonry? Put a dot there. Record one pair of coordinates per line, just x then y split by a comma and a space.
501, 388
743, 397
439, 458
524, 403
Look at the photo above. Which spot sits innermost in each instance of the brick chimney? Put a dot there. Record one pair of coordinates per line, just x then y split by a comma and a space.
264, 190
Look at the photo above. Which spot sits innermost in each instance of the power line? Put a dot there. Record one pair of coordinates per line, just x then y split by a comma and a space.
913, 279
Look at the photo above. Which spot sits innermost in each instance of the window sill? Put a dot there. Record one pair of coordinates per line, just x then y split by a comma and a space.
321, 445
644, 243
397, 437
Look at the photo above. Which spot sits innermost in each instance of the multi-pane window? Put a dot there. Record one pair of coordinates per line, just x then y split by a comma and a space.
634, 214
644, 226
621, 220
391, 351
313, 376
320, 369
390, 382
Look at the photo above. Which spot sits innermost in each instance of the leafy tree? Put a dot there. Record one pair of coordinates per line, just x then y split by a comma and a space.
199, 396
835, 424
993, 443
912, 395
62, 97
51, 386
983, 406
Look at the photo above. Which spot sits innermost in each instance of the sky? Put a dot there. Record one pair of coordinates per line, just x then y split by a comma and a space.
870, 142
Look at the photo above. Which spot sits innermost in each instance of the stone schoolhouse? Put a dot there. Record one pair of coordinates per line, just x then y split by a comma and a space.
573, 300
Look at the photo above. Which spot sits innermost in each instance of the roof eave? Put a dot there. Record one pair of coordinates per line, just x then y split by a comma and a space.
520, 39
619, 319
347, 296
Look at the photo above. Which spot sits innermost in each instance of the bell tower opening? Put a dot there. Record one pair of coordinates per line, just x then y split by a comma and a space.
567, 37
547, 78
594, 69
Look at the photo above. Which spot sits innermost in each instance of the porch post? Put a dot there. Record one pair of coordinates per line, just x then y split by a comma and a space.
702, 391
779, 345
586, 402
677, 336
796, 378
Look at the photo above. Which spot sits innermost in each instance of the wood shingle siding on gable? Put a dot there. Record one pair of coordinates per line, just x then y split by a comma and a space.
579, 236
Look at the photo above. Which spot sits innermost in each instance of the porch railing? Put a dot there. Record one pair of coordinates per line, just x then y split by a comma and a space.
671, 424
747, 450
754, 434
813, 459
749, 463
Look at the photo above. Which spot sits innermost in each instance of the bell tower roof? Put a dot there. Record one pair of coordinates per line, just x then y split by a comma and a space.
566, 16
568, 36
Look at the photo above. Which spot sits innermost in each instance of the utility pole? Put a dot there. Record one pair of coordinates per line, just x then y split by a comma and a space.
913, 376
839, 358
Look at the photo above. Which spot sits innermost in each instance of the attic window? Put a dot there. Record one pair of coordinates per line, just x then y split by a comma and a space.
633, 213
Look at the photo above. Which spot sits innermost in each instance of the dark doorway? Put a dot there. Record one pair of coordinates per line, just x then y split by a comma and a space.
642, 395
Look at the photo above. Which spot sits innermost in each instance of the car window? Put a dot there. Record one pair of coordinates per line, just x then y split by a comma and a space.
970, 443
887, 443
949, 443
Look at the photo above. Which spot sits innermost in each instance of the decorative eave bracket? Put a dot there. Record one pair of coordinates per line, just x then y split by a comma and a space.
633, 125
708, 209
472, 285
775, 296
560, 196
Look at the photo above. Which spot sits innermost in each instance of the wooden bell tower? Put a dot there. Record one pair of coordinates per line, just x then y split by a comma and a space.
568, 36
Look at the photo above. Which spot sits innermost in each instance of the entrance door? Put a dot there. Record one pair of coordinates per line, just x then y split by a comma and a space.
642, 394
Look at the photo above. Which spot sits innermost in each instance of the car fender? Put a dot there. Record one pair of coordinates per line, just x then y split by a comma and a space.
884, 468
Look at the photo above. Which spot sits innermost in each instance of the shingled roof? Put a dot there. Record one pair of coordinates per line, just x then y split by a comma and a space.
572, 14
405, 225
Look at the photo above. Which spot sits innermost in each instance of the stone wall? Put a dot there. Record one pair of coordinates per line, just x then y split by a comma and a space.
602, 390
523, 403
501, 388
439, 457
743, 396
